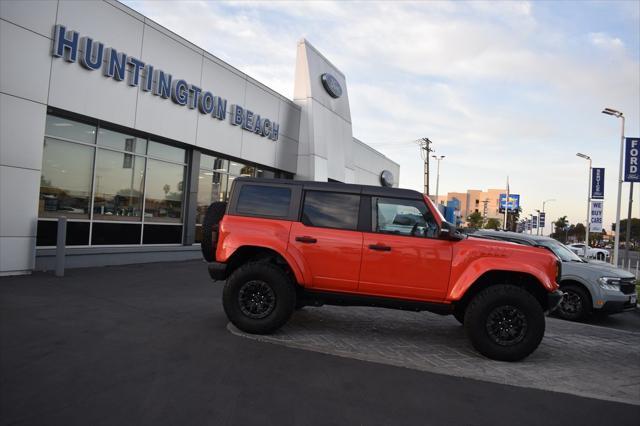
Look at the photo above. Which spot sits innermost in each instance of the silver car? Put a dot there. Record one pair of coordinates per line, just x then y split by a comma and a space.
589, 285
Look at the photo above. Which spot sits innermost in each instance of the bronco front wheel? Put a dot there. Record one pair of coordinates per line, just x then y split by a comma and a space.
259, 298
505, 322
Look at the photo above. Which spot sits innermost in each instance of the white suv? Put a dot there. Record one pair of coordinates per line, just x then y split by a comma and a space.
592, 252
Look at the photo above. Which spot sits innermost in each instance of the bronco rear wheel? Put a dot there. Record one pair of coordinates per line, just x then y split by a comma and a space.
259, 298
504, 322
209, 241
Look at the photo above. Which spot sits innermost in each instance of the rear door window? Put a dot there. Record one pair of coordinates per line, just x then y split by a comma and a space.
263, 200
331, 210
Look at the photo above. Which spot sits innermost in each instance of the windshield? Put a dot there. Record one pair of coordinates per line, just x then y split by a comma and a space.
561, 251
437, 210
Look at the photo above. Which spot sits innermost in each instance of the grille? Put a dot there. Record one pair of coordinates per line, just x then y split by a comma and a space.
627, 286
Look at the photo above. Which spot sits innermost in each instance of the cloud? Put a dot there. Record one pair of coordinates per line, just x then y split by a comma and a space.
498, 86
604, 40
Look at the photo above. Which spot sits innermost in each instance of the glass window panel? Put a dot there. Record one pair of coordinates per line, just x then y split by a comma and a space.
230, 180
264, 200
215, 164
261, 173
65, 183
164, 197
121, 141
207, 161
331, 210
167, 152
119, 186
235, 168
77, 233
211, 188
198, 237
115, 233
248, 171
69, 129
162, 234
403, 217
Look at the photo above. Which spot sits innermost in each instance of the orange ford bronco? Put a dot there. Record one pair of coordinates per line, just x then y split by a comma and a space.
281, 245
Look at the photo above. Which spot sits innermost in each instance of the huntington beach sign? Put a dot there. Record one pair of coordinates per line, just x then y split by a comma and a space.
93, 55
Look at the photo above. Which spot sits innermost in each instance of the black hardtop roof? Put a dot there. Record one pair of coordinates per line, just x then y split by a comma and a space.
379, 191
530, 239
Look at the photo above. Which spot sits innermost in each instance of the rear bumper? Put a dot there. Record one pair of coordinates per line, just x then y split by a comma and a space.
218, 271
554, 299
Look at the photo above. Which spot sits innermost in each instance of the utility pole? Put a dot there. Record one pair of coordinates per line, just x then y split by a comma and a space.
425, 151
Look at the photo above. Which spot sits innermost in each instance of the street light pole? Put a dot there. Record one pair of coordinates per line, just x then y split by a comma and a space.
586, 233
616, 243
543, 203
438, 158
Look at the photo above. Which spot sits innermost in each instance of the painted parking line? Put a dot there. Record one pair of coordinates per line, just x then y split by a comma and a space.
578, 359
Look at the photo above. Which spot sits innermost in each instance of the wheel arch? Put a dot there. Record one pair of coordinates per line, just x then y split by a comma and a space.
244, 254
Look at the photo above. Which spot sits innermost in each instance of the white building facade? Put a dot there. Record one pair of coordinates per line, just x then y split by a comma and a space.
130, 132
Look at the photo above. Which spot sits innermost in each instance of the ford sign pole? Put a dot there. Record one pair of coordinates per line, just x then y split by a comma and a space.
631, 175
616, 243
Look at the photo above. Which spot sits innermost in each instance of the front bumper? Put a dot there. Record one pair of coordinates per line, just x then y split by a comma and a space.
553, 300
613, 307
218, 271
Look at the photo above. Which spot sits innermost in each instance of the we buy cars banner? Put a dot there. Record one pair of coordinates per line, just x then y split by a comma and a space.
596, 216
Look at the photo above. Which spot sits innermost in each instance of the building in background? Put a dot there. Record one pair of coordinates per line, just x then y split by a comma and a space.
130, 131
487, 203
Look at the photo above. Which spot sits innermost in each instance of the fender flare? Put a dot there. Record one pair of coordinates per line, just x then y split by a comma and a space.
478, 269
291, 262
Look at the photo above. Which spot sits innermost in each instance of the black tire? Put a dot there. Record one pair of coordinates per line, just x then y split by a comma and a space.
600, 256
259, 298
504, 322
458, 313
575, 305
214, 215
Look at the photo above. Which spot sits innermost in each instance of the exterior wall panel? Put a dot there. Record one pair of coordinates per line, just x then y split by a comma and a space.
24, 75
20, 144
19, 189
35, 15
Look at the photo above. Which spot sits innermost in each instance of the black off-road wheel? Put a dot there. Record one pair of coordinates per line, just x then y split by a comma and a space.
259, 298
210, 222
575, 305
505, 322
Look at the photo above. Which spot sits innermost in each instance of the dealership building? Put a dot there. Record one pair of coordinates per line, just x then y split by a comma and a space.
130, 132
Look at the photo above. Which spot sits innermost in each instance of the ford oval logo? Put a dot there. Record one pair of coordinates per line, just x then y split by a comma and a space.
386, 178
331, 85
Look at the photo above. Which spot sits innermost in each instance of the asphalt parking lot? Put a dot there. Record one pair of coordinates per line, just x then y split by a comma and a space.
149, 344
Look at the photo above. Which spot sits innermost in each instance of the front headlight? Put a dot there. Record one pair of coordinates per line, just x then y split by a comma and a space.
609, 283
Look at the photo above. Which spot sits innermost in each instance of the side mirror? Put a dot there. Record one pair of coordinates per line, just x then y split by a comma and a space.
449, 232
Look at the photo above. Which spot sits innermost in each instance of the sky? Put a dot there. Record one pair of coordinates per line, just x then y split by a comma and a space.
501, 88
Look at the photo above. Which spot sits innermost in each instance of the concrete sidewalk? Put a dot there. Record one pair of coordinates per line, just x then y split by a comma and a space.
148, 344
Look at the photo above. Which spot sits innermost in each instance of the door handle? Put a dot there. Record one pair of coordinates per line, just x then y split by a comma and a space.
379, 247
305, 239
